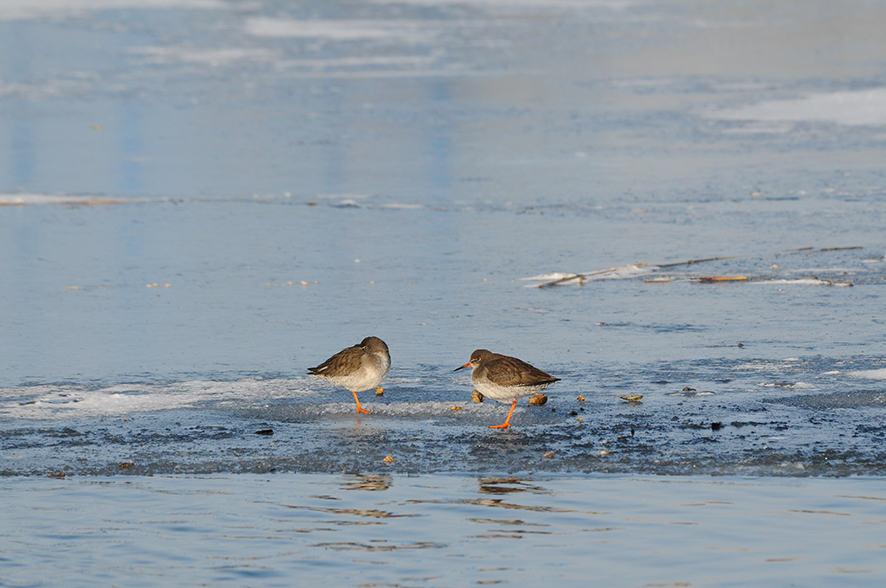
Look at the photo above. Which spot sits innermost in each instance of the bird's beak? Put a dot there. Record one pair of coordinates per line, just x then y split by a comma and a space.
469, 364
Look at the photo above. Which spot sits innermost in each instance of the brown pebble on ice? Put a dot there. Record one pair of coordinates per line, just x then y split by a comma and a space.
538, 399
477, 397
581, 398
379, 391
389, 459
549, 454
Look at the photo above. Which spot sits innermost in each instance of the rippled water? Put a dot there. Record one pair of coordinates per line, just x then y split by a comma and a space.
381, 530
199, 199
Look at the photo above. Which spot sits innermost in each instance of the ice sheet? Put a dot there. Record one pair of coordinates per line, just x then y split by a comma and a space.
860, 107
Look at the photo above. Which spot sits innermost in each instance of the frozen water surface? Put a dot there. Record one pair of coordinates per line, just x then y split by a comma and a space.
201, 198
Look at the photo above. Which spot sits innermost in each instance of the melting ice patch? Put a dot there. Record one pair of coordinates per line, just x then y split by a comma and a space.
211, 57
403, 206
788, 385
766, 366
33, 9
67, 199
615, 273
879, 374
551, 276
525, 4
804, 282
72, 401
862, 107
49, 88
363, 65
409, 31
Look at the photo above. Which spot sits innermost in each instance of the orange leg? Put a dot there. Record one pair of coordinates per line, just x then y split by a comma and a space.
507, 424
363, 410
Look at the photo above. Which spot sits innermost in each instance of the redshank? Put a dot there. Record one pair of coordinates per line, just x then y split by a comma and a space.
357, 368
505, 379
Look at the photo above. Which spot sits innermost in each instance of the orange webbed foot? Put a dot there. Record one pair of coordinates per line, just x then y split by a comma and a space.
507, 424
360, 408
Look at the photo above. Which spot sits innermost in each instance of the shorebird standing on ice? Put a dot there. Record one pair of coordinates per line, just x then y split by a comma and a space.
357, 368
506, 379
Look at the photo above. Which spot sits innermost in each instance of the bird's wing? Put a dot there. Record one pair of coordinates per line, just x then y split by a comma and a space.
510, 371
343, 362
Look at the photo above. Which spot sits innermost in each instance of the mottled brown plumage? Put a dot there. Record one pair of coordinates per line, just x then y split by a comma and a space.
357, 368
505, 378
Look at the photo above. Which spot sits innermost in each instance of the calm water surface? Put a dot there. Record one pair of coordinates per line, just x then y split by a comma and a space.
382, 530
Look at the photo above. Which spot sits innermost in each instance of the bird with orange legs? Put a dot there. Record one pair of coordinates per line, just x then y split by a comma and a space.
505, 379
357, 368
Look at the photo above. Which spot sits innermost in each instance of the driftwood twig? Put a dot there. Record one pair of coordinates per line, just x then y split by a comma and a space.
583, 277
692, 261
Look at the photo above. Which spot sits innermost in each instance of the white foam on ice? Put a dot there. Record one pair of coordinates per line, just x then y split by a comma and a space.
403, 206
400, 30
51, 87
790, 386
212, 57
521, 4
550, 277
761, 366
803, 282
625, 272
33, 9
361, 61
855, 108
29, 199
879, 374
77, 402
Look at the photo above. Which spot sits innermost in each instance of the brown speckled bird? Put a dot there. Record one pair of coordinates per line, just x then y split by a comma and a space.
505, 379
357, 368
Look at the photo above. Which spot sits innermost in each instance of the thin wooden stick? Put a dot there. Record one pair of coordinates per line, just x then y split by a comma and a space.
583, 277
692, 261
562, 280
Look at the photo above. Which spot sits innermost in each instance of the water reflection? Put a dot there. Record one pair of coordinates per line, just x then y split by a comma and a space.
507, 485
437, 530
369, 482
380, 545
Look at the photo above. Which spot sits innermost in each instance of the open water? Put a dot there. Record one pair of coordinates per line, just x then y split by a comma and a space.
199, 199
